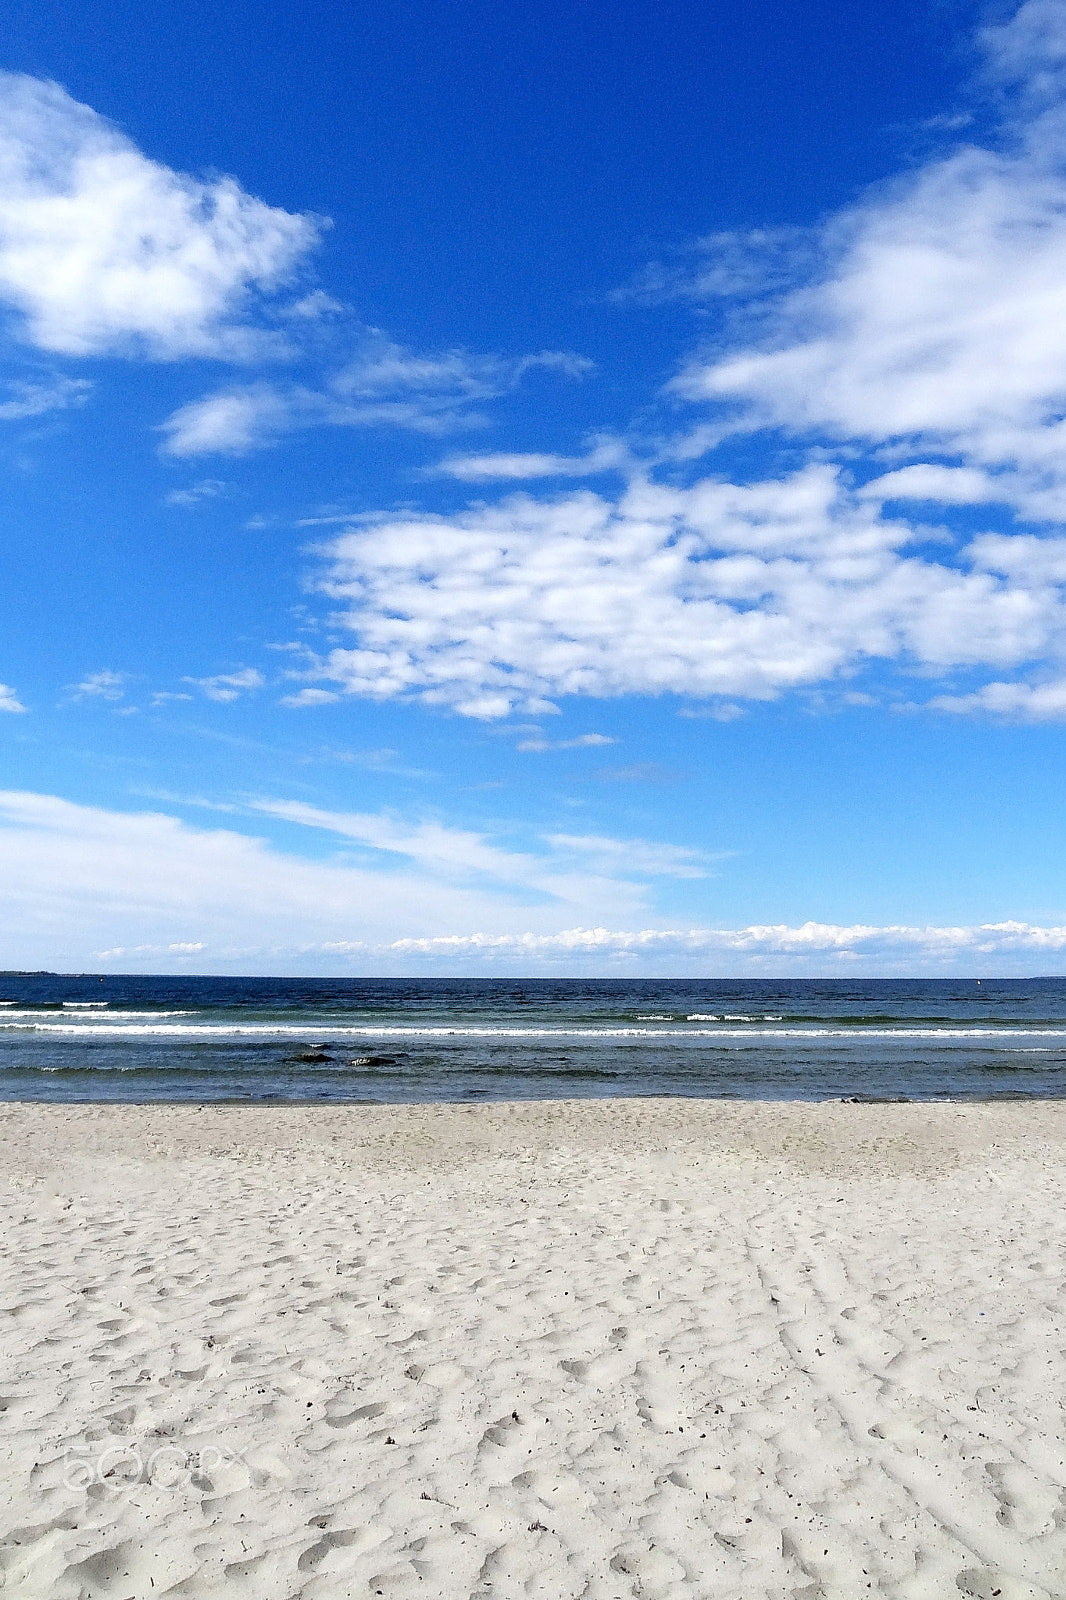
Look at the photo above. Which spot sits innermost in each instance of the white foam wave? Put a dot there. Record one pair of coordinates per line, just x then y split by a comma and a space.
268, 1030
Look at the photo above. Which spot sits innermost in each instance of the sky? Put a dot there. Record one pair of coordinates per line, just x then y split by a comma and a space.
535, 489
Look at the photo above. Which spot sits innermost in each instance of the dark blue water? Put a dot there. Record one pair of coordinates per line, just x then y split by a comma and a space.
204, 1039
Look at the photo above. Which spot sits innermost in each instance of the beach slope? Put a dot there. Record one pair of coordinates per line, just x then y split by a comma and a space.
654, 1348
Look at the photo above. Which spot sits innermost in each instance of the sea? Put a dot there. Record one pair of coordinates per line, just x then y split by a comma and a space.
83, 1037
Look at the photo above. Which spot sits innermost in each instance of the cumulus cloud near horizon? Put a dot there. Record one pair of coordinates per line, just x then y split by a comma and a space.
761, 939
104, 251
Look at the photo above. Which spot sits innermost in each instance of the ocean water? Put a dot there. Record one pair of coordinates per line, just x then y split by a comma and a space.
87, 1038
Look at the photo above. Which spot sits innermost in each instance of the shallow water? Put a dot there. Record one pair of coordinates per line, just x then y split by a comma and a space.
158, 1038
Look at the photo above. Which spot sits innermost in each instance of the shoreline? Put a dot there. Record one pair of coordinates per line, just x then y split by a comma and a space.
631, 1348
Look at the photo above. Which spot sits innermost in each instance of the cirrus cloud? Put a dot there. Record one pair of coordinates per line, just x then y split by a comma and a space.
383, 385
85, 879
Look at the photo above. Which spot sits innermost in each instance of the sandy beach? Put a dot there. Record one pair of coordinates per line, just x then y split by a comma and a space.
627, 1348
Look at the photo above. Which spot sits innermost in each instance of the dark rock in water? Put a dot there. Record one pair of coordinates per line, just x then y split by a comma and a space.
316, 1053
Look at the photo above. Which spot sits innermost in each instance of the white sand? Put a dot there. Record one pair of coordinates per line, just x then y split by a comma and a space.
636, 1348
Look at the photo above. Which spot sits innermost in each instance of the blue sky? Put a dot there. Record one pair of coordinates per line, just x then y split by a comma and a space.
537, 489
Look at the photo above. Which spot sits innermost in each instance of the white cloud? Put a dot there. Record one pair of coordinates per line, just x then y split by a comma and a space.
315, 307
729, 711
726, 266
576, 871
385, 368
182, 948
310, 697
944, 320
327, 519
1019, 702
383, 385
948, 486
236, 421
568, 362
429, 843
227, 686
231, 422
637, 856
206, 489
609, 456
9, 700
717, 590
103, 250
36, 399
1021, 557
102, 685
583, 741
